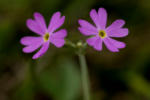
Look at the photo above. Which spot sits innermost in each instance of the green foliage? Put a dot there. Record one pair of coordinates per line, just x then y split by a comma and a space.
113, 76
25, 91
6, 32
63, 82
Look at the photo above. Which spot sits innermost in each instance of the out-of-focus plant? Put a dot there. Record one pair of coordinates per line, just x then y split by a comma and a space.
113, 76
99, 34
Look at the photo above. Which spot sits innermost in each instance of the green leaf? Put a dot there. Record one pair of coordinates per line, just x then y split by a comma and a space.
25, 90
138, 84
62, 81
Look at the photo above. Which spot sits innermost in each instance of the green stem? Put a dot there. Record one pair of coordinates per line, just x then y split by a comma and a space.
84, 77
68, 42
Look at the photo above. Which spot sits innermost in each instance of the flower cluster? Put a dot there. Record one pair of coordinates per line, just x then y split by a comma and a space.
98, 33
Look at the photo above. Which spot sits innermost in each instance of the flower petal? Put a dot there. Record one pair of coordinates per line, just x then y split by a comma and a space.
60, 34
122, 32
58, 42
116, 24
40, 20
87, 25
102, 18
98, 44
32, 47
95, 17
34, 26
117, 44
110, 45
56, 22
86, 31
43, 49
91, 41
28, 40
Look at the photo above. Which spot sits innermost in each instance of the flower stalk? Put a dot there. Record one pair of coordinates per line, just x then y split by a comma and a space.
80, 46
84, 77
84, 74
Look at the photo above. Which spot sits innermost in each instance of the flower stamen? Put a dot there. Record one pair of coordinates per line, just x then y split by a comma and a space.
46, 37
102, 34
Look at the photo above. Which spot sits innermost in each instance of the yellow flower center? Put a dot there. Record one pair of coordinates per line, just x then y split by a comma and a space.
46, 37
102, 34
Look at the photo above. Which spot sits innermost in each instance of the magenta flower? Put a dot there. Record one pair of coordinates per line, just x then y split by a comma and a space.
46, 35
100, 33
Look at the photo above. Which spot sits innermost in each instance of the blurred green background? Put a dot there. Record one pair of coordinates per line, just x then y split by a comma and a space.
56, 75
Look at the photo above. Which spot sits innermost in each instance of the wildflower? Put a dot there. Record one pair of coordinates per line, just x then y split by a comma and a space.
100, 33
46, 35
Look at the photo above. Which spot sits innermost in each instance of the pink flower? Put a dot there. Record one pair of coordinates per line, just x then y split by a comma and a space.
100, 33
46, 35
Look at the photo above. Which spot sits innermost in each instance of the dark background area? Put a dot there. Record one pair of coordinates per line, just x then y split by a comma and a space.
56, 75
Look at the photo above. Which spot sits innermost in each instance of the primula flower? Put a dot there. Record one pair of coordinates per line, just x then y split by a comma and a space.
100, 33
46, 35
